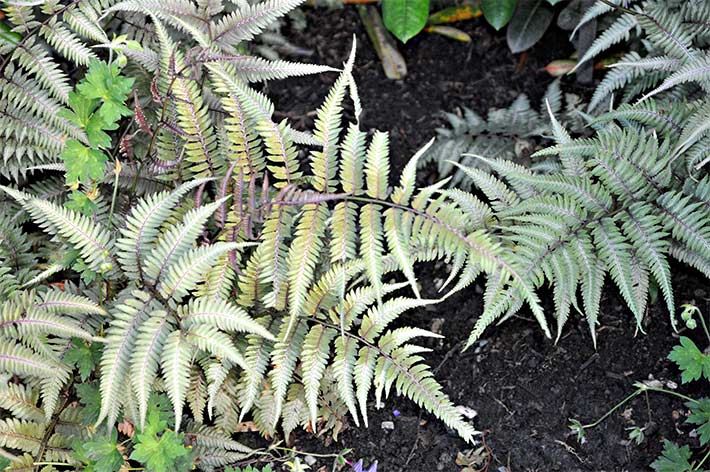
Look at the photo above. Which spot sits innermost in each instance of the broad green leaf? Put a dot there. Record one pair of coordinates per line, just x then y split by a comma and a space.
529, 23
673, 459
90, 399
498, 12
84, 355
80, 202
100, 453
81, 109
83, 164
8, 36
405, 18
161, 453
103, 81
700, 416
691, 361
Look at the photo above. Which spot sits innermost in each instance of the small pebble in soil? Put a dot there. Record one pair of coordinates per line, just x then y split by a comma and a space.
310, 460
436, 325
396, 413
444, 458
387, 425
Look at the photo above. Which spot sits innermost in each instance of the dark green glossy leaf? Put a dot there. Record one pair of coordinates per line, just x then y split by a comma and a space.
405, 18
529, 23
8, 36
498, 12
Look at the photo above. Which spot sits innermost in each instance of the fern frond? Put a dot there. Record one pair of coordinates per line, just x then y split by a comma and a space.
283, 362
129, 314
327, 131
209, 339
183, 275
372, 244
67, 43
21, 401
257, 356
175, 363
56, 301
315, 355
695, 70
619, 31
221, 315
143, 223
34, 59
174, 243
249, 20
23, 361
145, 359
377, 166
257, 69
92, 241
303, 255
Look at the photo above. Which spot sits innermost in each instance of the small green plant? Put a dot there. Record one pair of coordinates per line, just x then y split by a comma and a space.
159, 448
102, 453
95, 107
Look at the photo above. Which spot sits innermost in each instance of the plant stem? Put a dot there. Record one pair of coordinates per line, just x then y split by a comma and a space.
294, 451
700, 464
705, 326
117, 172
616, 407
638, 390
619, 7
671, 392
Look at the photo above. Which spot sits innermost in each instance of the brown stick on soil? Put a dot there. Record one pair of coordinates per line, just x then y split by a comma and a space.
393, 63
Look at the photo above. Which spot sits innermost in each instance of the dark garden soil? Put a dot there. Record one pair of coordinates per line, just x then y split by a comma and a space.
523, 386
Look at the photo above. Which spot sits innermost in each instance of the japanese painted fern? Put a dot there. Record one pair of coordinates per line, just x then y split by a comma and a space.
623, 201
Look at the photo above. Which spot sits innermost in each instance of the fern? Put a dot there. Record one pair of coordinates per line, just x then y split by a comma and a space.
620, 202
673, 48
173, 322
36, 329
508, 133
